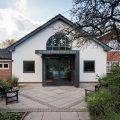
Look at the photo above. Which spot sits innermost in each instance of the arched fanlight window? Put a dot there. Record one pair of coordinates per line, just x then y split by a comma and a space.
58, 42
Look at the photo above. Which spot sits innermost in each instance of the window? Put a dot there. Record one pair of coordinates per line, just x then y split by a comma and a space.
0, 65
4, 65
58, 42
28, 66
89, 66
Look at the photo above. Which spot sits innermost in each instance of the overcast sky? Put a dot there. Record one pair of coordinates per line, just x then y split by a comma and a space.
19, 17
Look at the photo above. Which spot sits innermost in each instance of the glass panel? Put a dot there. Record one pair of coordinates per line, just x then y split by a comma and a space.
49, 48
29, 66
0, 65
59, 70
52, 70
5, 65
58, 42
89, 66
55, 48
62, 48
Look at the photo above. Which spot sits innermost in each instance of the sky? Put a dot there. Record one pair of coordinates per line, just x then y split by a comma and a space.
20, 17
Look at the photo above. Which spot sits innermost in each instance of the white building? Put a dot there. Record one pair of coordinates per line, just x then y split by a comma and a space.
46, 55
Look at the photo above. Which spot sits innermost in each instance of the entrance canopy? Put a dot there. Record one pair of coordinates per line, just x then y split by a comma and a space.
46, 52
59, 55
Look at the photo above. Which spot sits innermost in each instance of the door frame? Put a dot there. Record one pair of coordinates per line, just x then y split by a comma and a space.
59, 59
76, 72
42, 53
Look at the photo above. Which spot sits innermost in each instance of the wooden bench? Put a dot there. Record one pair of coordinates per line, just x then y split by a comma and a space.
10, 95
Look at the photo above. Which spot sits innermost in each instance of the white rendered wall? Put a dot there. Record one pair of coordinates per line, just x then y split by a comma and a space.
26, 51
96, 53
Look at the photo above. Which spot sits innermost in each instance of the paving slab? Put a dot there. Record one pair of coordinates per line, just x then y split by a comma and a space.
34, 116
51, 116
84, 116
69, 116
60, 97
23, 103
82, 105
58, 116
36, 98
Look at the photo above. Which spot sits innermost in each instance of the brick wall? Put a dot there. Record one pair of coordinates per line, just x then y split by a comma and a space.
113, 56
5, 73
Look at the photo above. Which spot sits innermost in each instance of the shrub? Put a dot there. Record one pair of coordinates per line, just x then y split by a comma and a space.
14, 81
1, 81
98, 102
105, 104
113, 79
115, 69
10, 116
9, 83
112, 116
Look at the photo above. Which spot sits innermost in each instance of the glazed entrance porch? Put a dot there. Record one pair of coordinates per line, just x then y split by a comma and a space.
60, 67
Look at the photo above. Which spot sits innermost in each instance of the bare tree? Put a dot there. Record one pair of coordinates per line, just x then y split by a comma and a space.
97, 17
7, 43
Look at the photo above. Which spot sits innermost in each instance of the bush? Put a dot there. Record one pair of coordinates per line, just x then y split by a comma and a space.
5, 85
1, 81
105, 103
115, 69
9, 83
10, 116
112, 116
14, 81
102, 104
98, 102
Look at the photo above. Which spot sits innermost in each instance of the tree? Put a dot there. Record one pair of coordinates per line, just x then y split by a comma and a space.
97, 17
7, 43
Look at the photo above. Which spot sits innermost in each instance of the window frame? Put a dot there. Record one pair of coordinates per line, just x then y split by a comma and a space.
28, 71
66, 46
84, 66
2, 68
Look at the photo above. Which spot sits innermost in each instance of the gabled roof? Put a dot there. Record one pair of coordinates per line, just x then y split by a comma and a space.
58, 17
5, 54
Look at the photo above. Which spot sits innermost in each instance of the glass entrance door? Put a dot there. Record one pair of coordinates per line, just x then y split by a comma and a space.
59, 70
